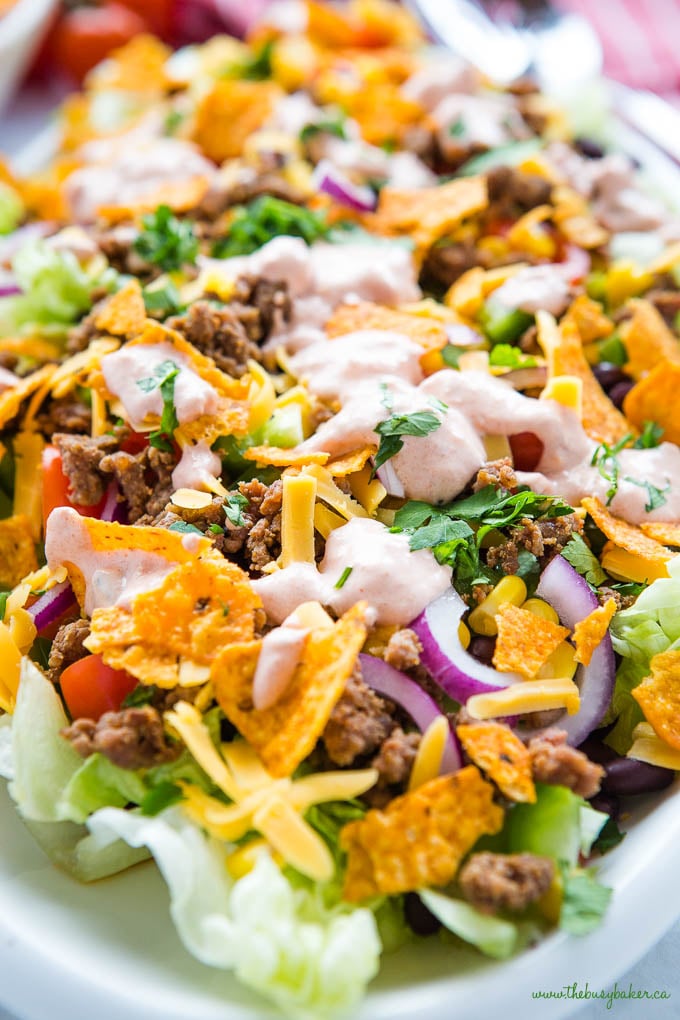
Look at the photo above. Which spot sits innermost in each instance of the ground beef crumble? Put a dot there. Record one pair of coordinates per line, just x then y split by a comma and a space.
499, 473
144, 479
67, 647
493, 882
132, 738
403, 650
219, 334
555, 763
82, 456
544, 539
66, 415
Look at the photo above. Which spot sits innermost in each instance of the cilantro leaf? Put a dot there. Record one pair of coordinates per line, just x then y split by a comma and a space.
655, 497
233, 508
161, 438
255, 67
584, 901
451, 355
161, 373
166, 241
335, 127
605, 459
4, 595
160, 797
421, 423
610, 836
650, 436
185, 529
344, 576
143, 694
584, 561
267, 217
508, 356
457, 129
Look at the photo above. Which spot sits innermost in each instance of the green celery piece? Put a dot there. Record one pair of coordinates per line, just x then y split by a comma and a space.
284, 428
503, 325
613, 351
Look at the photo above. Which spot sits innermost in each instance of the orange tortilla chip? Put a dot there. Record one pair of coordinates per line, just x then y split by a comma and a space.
202, 606
284, 734
565, 356
500, 754
351, 318
430, 213
17, 550
574, 219
655, 398
351, 462
659, 697
124, 313
666, 532
524, 640
180, 196
647, 339
588, 633
382, 111
275, 456
420, 838
590, 320
12, 399
138, 66
228, 114
626, 536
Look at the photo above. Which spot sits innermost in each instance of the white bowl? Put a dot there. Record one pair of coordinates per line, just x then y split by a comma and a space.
22, 30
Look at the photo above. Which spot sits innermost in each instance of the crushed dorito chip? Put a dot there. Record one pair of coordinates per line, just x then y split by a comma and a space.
350, 463
12, 399
180, 196
429, 213
626, 536
666, 532
659, 696
124, 313
499, 753
137, 67
564, 353
647, 339
203, 605
524, 640
590, 320
588, 633
366, 315
275, 456
421, 837
230, 112
17, 550
284, 734
654, 398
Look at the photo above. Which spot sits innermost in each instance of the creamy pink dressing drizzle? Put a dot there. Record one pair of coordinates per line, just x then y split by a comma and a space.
396, 583
198, 467
112, 577
536, 288
124, 369
280, 654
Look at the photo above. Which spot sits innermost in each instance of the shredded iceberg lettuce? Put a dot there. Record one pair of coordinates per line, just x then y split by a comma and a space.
650, 626
280, 939
12, 208
99, 783
492, 935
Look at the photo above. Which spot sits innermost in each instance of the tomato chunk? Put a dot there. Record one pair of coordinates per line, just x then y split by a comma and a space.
527, 450
90, 687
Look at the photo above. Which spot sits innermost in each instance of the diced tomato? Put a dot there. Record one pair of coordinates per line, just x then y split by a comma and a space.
56, 487
135, 442
91, 688
158, 14
85, 36
527, 450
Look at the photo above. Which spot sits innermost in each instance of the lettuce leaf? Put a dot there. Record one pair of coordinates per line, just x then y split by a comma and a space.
57, 290
12, 208
650, 626
99, 783
550, 828
584, 901
492, 935
282, 940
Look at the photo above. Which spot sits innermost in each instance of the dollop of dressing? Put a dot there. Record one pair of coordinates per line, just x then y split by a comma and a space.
112, 577
396, 583
198, 467
133, 364
280, 654
535, 288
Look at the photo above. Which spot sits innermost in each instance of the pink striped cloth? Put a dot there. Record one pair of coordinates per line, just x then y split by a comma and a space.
640, 38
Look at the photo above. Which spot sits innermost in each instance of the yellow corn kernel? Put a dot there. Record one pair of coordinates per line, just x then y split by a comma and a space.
294, 62
566, 390
540, 608
482, 619
496, 447
561, 663
527, 233
625, 280
215, 282
463, 635
627, 566
550, 903
494, 244
431, 362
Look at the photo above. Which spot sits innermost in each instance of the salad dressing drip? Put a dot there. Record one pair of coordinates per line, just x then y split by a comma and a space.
198, 467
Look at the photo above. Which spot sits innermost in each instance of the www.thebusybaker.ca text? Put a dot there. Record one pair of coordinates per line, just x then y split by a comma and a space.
574, 991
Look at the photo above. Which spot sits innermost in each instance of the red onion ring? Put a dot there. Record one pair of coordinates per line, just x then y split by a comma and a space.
50, 606
328, 179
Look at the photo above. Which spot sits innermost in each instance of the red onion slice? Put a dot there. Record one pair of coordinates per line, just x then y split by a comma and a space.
113, 509
576, 265
572, 598
390, 480
333, 182
423, 709
8, 284
50, 606
457, 672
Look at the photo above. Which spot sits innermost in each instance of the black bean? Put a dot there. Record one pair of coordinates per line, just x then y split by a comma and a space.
609, 375
618, 393
589, 148
626, 776
482, 648
418, 917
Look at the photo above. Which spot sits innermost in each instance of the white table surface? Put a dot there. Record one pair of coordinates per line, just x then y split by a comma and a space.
660, 968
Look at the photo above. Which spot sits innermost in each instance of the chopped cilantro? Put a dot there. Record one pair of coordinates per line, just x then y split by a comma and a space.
256, 66
161, 438
4, 595
166, 241
656, 497
584, 561
610, 836
173, 121
143, 694
507, 356
160, 797
335, 127
341, 581
216, 529
225, 608
612, 350
584, 901
421, 423
185, 529
233, 508
267, 217
650, 436
457, 129
163, 298
161, 373
605, 459
451, 355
